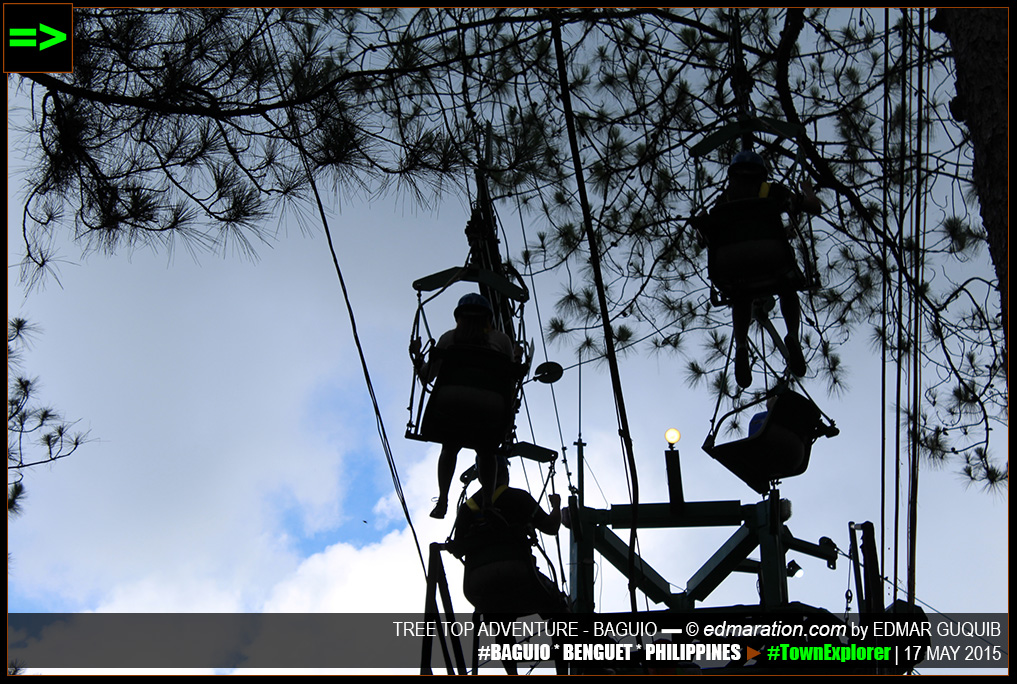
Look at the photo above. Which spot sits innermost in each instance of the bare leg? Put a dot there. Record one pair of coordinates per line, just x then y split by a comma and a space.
741, 317
446, 471
791, 309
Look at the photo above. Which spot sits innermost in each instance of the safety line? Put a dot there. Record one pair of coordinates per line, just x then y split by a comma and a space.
296, 140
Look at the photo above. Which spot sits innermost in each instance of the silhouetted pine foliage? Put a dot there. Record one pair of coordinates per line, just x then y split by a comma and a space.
194, 126
36, 434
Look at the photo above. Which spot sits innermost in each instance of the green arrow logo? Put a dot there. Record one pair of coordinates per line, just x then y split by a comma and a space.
26, 37
58, 36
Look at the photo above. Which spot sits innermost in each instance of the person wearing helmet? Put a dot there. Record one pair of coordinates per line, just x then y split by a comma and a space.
747, 179
495, 543
474, 318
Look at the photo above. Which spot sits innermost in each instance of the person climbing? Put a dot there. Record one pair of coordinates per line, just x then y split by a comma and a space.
747, 176
474, 415
501, 577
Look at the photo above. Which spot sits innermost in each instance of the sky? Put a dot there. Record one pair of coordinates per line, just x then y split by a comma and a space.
234, 463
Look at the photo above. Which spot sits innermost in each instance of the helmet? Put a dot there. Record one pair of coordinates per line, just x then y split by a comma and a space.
747, 162
472, 303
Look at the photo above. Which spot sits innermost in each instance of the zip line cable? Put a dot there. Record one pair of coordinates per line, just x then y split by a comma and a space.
483, 152
367, 373
549, 480
909, 276
918, 263
915, 319
886, 580
885, 298
294, 138
623, 427
543, 344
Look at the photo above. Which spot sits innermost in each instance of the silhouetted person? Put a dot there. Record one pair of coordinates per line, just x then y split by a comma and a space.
747, 180
501, 576
474, 317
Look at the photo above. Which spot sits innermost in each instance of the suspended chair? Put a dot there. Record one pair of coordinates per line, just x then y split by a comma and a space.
780, 448
470, 395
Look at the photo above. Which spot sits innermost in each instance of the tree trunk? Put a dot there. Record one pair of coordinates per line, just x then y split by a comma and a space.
979, 39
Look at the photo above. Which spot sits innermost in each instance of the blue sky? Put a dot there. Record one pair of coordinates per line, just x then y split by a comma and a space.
235, 457
235, 461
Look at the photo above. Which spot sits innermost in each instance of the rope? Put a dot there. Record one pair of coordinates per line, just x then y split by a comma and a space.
543, 344
885, 299
886, 580
296, 140
918, 235
902, 208
623, 428
554, 400
386, 447
720, 398
548, 481
741, 83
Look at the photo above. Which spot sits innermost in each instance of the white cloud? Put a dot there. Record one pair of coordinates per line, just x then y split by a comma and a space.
225, 395
382, 577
